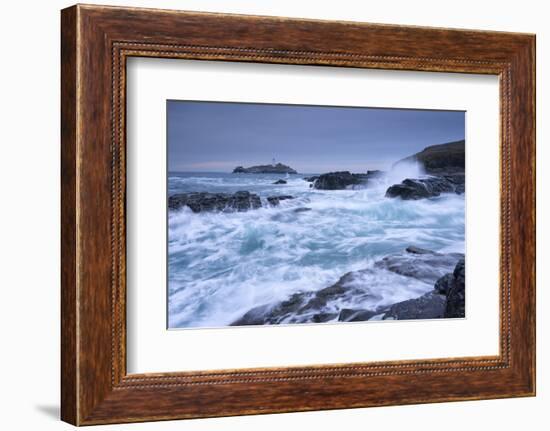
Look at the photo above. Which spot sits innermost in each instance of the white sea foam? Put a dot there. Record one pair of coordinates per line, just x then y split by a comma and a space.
223, 264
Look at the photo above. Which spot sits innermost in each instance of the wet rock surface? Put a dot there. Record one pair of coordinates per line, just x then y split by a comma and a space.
305, 307
443, 284
428, 306
412, 189
325, 305
447, 300
343, 179
215, 202
421, 264
275, 200
223, 202
355, 315
456, 294
338, 180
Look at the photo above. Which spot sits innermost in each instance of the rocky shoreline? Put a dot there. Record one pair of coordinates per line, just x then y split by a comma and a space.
430, 187
444, 165
408, 189
343, 180
446, 300
239, 201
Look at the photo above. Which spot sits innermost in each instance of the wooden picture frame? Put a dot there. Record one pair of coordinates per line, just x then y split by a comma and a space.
95, 43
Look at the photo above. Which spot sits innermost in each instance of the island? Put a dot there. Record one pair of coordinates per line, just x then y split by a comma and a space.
278, 168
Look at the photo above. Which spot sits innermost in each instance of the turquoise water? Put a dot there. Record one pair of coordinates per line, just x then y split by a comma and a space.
223, 264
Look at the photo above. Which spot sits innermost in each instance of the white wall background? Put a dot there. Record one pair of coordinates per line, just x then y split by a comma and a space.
29, 224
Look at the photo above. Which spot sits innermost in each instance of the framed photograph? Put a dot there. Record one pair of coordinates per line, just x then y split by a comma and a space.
324, 240
264, 215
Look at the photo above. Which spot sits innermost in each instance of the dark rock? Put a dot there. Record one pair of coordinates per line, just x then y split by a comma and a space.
279, 168
417, 250
446, 300
440, 159
443, 284
255, 316
338, 180
323, 317
345, 287
226, 202
275, 200
445, 163
375, 174
311, 179
269, 314
412, 189
429, 306
354, 287
328, 293
424, 265
456, 295
459, 182
350, 315
307, 307
409, 189
280, 182
302, 209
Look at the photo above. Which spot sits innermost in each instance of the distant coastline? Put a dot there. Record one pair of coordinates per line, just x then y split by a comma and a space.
277, 168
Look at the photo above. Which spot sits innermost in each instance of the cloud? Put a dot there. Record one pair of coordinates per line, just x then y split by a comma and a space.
217, 136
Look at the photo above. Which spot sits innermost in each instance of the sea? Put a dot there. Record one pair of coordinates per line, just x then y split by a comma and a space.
220, 265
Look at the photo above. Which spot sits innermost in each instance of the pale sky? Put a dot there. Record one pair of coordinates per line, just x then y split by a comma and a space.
218, 136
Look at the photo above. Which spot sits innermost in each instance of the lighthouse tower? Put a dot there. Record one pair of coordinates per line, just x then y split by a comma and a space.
273, 161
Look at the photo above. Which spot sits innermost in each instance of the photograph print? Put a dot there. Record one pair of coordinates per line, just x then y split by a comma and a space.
297, 214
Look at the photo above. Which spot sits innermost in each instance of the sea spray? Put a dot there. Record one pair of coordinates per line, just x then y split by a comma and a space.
223, 264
